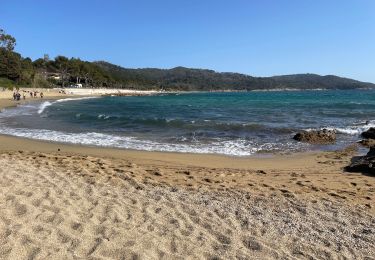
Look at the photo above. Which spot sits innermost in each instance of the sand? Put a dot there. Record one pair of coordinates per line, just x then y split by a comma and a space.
108, 91
61, 201
6, 97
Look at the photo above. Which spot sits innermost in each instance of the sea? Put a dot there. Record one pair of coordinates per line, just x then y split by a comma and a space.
226, 123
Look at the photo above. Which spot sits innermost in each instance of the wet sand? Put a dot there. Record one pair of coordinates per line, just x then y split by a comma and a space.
61, 201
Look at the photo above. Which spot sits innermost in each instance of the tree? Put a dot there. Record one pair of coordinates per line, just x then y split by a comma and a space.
39, 63
7, 41
75, 69
10, 64
62, 65
28, 71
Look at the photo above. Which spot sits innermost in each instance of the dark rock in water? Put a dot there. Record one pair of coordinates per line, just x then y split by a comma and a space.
367, 142
324, 136
364, 164
369, 134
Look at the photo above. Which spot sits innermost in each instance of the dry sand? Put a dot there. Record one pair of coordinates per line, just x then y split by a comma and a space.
71, 202
108, 91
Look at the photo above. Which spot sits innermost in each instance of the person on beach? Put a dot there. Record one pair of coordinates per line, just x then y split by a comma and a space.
31, 94
41, 95
35, 94
24, 96
14, 95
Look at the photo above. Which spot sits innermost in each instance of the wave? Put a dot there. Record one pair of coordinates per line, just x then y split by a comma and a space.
237, 147
288, 89
355, 129
46, 104
200, 124
105, 117
43, 106
74, 99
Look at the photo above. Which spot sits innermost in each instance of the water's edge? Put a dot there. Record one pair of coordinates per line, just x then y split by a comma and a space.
10, 125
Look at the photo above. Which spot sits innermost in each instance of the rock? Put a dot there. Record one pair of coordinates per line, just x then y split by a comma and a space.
371, 152
367, 142
364, 164
324, 136
369, 134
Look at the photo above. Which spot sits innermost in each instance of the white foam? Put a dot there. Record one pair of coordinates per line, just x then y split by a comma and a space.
73, 99
348, 131
233, 148
19, 110
43, 106
355, 129
103, 116
46, 104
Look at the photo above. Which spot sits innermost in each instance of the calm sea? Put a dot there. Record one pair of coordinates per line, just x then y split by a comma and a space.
238, 124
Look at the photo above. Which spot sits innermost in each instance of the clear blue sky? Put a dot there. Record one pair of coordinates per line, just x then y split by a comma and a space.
260, 38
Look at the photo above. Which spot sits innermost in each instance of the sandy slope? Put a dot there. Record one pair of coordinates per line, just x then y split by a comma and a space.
61, 205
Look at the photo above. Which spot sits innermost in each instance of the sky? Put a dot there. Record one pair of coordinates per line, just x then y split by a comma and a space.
259, 38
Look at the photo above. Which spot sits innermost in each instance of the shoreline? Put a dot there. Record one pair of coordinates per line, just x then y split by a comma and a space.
13, 143
6, 100
53, 96
50, 146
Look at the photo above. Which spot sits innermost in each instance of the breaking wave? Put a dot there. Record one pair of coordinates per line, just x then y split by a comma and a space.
46, 104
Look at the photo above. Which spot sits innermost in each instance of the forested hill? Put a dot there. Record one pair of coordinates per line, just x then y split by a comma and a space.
181, 78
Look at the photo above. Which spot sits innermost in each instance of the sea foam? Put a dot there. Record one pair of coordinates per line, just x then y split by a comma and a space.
46, 104
355, 129
239, 147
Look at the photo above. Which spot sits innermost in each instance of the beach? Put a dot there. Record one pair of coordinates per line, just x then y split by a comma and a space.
6, 97
64, 201
59, 93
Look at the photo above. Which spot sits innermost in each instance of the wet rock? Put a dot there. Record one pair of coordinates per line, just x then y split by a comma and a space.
371, 152
324, 136
367, 142
364, 164
369, 134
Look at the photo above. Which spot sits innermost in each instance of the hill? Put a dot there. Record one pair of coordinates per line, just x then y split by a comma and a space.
181, 78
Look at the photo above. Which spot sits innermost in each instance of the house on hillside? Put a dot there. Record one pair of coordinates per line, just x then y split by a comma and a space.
78, 85
55, 76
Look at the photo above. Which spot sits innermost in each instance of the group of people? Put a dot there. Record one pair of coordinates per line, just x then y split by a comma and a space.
33, 94
17, 96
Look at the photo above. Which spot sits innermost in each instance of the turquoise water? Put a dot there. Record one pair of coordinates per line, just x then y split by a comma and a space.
238, 124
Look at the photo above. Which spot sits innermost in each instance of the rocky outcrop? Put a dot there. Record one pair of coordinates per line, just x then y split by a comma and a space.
324, 136
367, 142
369, 134
364, 164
